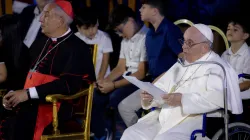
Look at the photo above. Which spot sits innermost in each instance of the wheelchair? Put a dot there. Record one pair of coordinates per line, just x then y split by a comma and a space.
236, 130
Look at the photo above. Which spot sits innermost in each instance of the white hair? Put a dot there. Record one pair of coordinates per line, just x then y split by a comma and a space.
59, 11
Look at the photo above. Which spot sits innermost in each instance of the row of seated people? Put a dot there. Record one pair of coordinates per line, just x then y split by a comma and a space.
130, 105
153, 51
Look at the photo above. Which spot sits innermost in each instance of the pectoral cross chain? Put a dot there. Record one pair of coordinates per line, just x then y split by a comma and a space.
32, 71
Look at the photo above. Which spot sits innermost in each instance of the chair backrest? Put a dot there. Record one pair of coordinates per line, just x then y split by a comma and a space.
90, 98
84, 108
93, 49
220, 43
183, 24
184, 21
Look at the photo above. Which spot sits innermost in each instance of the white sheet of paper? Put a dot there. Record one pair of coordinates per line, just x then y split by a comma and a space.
146, 86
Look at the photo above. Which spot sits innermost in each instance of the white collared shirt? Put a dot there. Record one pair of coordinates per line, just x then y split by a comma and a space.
33, 29
134, 50
18, 6
104, 43
55, 38
240, 61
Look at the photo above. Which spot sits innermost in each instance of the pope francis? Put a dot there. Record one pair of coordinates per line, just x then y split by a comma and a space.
190, 92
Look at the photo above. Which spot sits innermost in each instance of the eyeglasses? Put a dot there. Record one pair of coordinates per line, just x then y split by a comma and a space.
119, 31
190, 43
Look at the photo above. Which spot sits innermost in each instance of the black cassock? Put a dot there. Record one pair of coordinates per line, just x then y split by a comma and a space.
61, 67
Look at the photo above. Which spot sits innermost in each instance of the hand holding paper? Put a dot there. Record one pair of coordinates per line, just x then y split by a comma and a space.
146, 86
173, 99
146, 97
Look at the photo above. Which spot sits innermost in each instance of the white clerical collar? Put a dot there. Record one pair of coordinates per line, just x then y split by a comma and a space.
55, 39
86, 38
241, 51
203, 58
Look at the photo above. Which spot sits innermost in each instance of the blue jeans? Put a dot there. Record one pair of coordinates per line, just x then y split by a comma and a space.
103, 101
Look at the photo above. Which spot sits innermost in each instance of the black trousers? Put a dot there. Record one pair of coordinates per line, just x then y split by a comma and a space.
246, 111
19, 124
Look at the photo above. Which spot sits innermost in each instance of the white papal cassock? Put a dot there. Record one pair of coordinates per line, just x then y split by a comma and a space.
202, 91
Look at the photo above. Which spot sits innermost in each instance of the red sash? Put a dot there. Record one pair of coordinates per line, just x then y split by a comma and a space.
45, 112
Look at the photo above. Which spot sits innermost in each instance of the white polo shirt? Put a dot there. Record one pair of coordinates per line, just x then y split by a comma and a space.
33, 29
134, 50
104, 43
240, 61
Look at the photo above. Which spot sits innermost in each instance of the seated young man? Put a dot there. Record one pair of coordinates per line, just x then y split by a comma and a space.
163, 49
132, 61
87, 25
238, 55
190, 92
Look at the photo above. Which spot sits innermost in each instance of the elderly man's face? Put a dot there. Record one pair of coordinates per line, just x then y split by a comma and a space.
50, 22
194, 45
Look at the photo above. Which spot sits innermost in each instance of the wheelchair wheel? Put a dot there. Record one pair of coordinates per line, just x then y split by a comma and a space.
236, 131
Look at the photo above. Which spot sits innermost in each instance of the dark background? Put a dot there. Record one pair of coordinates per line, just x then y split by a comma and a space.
213, 12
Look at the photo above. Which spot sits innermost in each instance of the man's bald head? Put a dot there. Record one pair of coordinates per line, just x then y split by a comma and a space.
54, 19
196, 44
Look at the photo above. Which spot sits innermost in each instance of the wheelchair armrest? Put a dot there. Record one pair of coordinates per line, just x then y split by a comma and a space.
56, 97
201, 131
205, 131
244, 75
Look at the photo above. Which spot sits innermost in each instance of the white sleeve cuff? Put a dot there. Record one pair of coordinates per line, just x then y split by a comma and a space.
33, 93
154, 103
193, 103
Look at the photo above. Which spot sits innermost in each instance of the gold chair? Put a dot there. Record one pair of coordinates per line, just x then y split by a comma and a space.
184, 21
183, 24
218, 42
88, 93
